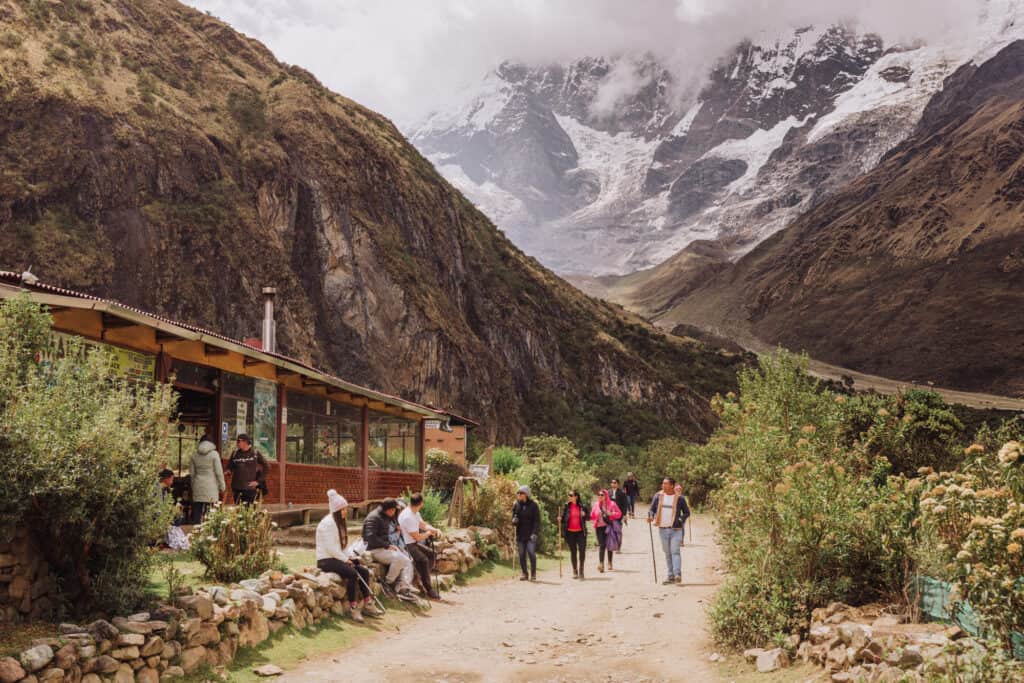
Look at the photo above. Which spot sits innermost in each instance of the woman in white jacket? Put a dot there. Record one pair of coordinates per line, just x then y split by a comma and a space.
332, 556
207, 479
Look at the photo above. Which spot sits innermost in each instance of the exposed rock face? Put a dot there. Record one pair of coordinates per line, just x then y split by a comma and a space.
912, 270
153, 155
782, 122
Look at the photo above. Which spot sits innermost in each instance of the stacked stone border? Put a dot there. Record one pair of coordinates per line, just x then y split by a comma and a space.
209, 626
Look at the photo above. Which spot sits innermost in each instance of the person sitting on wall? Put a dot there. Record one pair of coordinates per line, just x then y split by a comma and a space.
377, 529
417, 534
332, 555
248, 470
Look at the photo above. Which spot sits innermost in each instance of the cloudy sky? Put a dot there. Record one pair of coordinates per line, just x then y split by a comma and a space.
407, 58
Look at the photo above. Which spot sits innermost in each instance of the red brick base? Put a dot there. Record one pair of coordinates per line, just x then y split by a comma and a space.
308, 484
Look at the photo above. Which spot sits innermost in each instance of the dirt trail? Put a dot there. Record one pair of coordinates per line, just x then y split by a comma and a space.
616, 626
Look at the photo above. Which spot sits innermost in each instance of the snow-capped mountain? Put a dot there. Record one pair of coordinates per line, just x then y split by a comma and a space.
602, 167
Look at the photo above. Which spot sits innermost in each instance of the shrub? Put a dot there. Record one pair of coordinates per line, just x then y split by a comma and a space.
248, 110
506, 460
437, 456
551, 470
701, 469
441, 478
235, 543
80, 448
491, 507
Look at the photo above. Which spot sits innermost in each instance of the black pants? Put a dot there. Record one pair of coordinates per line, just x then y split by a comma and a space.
528, 550
602, 542
246, 497
577, 542
423, 561
199, 511
351, 573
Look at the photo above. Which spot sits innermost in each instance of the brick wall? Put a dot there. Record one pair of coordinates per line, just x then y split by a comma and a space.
308, 484
384, 484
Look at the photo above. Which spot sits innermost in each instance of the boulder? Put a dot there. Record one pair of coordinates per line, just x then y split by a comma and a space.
86, 651
53, 675
219, 595
268, 670
140, 617
257, 585
198, 605
192, 658
171, 651
91, 678
854, 635
66, 657
125, 654
147, 675
254, 630
125, 626
243, 594
10, 670
172, 672
752, 654
69, 629
772, 660
131, 639
910, 657
35, 658
105, 664
153, 646
125, 674
820, 634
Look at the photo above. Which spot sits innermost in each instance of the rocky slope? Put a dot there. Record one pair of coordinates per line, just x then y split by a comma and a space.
150, 153
595, 189
912, 271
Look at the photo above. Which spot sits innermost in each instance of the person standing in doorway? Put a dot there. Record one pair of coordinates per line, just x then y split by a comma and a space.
207, 476
632, 489
526, 520
248, 470
669, 513
574, 530
606, 515
620, 498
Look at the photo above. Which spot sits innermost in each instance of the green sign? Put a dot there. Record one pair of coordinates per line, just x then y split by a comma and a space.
265, 418
133, 365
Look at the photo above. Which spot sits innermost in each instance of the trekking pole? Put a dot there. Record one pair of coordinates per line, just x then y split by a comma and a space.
654, 562
380, 605
559, 555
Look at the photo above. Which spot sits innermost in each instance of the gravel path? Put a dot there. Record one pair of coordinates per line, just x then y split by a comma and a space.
616, 626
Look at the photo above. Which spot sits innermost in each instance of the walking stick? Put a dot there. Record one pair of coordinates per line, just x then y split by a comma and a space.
380, 605
654, 561
559, 555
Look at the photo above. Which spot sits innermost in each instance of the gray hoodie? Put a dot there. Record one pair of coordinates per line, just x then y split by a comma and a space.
207, 474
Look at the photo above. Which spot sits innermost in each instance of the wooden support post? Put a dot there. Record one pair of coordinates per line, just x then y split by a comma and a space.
365, 452
282, 441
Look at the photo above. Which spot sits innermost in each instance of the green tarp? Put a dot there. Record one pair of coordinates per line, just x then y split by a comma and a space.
933, 599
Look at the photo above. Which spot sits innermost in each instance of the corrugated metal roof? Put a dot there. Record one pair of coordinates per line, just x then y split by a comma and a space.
15, 279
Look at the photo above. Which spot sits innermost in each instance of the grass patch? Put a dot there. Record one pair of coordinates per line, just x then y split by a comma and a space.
14, 638
735, 670
193, 573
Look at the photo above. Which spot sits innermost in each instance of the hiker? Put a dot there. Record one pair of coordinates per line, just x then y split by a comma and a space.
669, 513
332, 556
632, 489
606, 515
417, 534
248, 470
207, 479
526, 520
574, 529
377, 529
678, 489
620, 498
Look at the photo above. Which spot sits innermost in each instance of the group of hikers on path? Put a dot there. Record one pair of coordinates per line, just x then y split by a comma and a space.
611, 509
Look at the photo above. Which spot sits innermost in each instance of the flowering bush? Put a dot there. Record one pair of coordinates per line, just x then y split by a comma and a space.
972, 525
235, 543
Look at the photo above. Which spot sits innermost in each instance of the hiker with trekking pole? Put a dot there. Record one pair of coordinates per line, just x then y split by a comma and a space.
669, 513
526, 520
333, 555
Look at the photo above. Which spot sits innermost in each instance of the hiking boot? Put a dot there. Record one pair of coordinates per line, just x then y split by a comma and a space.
524, 577
433, 595
679, 579
668, 582
575, 575
407, 595
372, 611
356, 615
533, 576
600, 567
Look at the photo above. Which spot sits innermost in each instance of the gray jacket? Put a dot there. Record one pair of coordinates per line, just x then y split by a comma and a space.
207, 474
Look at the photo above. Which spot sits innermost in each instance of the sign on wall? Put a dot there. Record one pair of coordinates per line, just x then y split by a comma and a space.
265, 418
133, 365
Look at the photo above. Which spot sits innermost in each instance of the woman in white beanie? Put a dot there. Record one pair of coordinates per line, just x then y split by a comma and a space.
332, 556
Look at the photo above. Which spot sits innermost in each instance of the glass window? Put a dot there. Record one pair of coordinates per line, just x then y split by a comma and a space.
198, 376
322, 432
394, 444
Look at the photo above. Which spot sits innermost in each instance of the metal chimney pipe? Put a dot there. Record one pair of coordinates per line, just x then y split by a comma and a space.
269, 324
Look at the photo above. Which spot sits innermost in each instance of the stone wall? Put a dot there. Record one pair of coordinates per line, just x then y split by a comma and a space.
206, 627
27, 589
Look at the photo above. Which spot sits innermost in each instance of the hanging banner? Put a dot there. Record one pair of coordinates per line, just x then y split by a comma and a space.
241, 417
264, 407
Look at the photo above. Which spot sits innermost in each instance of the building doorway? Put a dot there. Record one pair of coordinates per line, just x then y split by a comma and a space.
196, 417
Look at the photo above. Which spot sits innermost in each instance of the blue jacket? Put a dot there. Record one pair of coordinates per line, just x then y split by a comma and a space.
682, 510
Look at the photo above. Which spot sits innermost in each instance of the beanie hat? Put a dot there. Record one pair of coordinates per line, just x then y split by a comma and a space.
336, 501
389, 504
524, 489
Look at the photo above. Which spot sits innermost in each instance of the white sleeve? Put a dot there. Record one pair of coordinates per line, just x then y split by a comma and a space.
328, 544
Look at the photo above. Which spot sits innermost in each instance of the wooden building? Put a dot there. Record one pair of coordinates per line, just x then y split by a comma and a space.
450, 435
318, 431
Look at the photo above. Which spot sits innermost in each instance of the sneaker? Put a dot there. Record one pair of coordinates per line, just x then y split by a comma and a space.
600, 567
668, 582
371, 610
356, 615
433, 595
679, 579
575, 575
524, 577
407, 595
533, 577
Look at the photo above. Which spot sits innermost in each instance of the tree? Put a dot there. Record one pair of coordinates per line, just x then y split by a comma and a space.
80, 449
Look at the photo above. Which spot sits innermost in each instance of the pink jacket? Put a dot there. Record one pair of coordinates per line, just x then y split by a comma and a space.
611, 509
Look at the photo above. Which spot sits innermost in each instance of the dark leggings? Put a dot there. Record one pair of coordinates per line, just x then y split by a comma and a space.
422, 560
577, 542
349, 572
601, 543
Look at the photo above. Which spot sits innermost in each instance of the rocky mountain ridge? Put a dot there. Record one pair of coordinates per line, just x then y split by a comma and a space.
149, 153
781, 123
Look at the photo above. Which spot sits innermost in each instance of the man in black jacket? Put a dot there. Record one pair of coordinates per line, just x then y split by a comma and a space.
378, 526
248, 470
526, 520
620, 498
632, 489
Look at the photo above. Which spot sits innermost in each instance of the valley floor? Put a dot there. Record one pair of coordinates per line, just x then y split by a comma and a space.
616, 626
